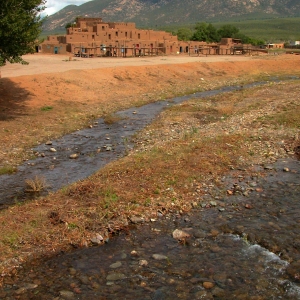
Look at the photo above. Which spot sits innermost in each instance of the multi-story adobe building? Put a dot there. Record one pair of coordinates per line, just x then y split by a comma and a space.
92, 37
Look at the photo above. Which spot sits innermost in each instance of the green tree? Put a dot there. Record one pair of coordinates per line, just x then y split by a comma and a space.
68, 25
20, 26
228, 31
205, 32
184, 34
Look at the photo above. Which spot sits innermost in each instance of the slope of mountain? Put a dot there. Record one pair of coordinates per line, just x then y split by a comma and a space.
165, 12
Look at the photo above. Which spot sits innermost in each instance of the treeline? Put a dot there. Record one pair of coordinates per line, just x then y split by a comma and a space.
206, 32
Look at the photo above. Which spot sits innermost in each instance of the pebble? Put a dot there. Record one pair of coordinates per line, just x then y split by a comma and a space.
180, 234
52, 149
116, 265
136, 220
115, 276
208, 285
66, 294
159, 256
73, 156
143, 262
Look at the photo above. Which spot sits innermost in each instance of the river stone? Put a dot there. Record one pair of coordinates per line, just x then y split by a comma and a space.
115, 276
136, 220
159, 256
74, 155
66, 294
143, 262
116, 265
180, 234
52, 149
48, 143
208, 285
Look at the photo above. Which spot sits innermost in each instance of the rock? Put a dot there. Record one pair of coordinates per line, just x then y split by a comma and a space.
180, 234
213, 203
134, 253
136, 220
48, 143
286, 169
143, 262
248, 206
66, 294
159, 256
116, 265
73, 156
115, 276
208, 285
52, 149
97, 240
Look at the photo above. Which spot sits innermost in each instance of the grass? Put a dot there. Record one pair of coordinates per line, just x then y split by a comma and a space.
35, 185
112, 118
46, 108
7, 170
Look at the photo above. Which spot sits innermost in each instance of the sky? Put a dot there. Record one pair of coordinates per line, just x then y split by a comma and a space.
52, 6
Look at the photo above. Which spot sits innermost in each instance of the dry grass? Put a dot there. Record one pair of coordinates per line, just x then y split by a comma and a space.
36, 185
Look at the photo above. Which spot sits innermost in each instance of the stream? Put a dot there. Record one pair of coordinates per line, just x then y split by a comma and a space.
92, 148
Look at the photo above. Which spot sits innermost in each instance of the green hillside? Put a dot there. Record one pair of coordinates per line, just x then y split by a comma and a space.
269, 30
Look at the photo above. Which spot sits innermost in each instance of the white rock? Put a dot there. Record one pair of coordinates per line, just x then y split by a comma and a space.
180, 234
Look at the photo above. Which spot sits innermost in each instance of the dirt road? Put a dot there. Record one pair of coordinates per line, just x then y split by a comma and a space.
39, 63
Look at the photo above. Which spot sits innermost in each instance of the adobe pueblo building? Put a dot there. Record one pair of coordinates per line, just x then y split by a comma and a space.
90, 37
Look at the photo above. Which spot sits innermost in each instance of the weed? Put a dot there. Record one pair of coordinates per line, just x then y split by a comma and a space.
72, 226
46, 108
147, 202
11, 240
110, 197
36, 185
7, 170
112, 118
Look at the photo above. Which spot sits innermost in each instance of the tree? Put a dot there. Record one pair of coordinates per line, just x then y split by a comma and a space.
206, 33
228, 31
184, 34
20, 26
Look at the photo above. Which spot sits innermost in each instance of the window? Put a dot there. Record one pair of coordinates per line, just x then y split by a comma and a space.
126, 34
116, 33
109, 36
139, 35
103, 28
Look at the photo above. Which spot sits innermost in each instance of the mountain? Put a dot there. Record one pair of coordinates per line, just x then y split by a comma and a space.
152, 13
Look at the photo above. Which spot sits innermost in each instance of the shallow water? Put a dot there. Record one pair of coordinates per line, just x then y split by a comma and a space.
241, 247
94, 146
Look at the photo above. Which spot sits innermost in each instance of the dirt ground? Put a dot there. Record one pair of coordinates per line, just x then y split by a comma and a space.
41, 63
